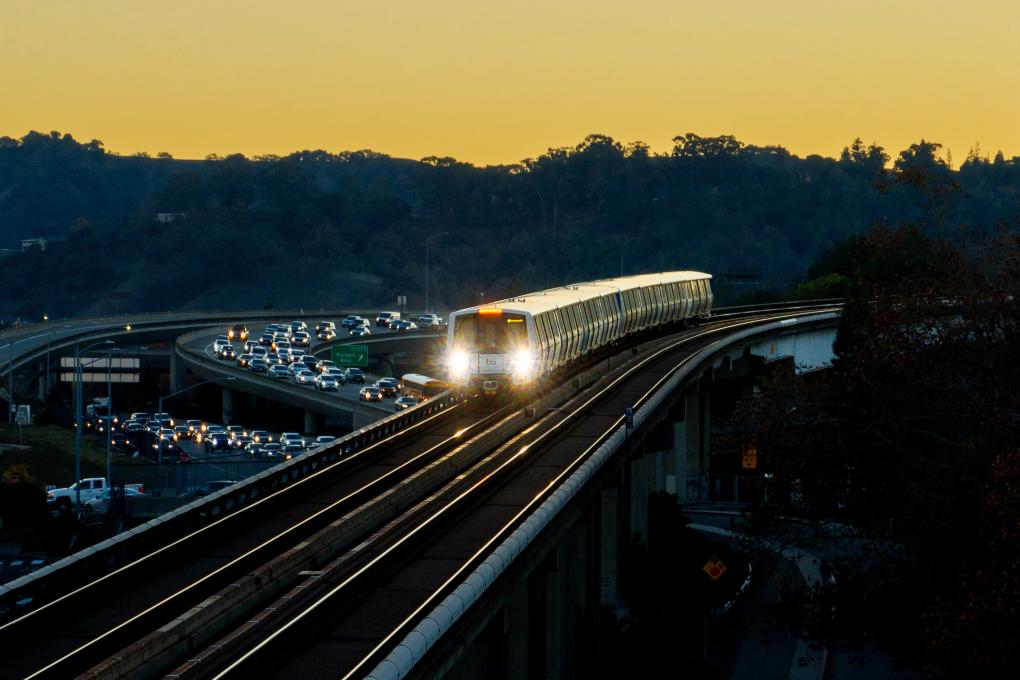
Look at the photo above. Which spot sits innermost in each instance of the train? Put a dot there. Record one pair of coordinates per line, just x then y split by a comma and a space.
513, 344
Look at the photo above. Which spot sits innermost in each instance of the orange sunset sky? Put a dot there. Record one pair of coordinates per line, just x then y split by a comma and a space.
496, 82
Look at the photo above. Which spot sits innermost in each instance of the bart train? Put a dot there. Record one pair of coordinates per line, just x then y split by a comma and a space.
513, 344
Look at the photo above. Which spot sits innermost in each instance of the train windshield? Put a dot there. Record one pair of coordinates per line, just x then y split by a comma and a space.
493, 333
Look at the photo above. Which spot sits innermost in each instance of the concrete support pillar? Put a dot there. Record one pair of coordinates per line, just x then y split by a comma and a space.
691, 437
609, 549
640, 470
515, 626
554, 642
313, 422
229, 404
43, 387
177, 372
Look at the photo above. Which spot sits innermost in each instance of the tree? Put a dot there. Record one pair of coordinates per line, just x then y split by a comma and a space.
913, 439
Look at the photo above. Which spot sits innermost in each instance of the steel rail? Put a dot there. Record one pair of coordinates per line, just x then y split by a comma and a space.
382, 557
347, 461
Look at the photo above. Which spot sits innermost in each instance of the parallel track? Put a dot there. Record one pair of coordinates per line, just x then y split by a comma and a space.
126, 604
438, 542
123, 605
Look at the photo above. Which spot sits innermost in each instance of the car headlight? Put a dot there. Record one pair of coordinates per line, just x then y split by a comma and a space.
458, 364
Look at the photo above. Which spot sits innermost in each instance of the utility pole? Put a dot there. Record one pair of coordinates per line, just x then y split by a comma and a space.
622, 245
436, 235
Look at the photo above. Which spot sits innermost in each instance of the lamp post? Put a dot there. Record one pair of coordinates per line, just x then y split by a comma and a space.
10, 381
622, 245
436, 235
159, 460
78, 417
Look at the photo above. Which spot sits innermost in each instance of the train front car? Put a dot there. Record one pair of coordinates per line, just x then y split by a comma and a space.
490, 350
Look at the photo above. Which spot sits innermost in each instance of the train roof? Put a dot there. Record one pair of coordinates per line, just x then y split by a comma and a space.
544, 300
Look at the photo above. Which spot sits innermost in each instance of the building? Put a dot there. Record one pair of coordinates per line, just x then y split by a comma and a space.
33, 243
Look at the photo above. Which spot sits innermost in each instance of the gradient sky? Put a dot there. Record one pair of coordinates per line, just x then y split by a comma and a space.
495, 82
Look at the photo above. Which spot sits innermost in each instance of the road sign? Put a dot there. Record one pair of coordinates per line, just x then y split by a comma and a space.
714, 568
350, 355
749, 457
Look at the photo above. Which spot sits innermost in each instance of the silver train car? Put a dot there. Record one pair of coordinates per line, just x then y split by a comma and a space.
512, 343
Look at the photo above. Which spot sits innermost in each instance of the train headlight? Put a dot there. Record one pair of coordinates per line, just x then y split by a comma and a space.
523, 362
458, 364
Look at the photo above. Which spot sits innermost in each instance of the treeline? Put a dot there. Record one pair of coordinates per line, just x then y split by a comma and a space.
317, 229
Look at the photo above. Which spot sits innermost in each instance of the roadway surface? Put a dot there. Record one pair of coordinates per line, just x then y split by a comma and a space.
201, 344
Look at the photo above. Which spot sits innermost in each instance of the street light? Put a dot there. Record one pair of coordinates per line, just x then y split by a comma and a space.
109, 413
622, 245
10, 381
78, 417
159, 460
436, 235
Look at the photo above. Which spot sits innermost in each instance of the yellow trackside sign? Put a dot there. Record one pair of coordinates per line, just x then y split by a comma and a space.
714, 568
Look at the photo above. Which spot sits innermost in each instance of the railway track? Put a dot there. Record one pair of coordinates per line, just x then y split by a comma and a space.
71, 633
263, 549
345, 616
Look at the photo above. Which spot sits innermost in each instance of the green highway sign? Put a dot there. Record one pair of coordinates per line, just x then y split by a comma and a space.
350, 355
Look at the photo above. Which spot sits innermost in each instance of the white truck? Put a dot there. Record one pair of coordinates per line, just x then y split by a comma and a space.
91, 487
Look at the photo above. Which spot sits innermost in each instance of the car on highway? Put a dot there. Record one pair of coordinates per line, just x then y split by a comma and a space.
272, 358
389, 387
324, 439
236, 431
181, 432
302, 339
352, 320
279, 372
228, 352
272, 450
217, 441
237, 332
323, 364
293, 448
282, 345
338, 373
243, 360
290, 438
326, 383
384, 318
401, 403
402, 325
360, 332
249, 345
258, 366
102, 503
296, 367
219, 343
259, 352
310, 362
261, 436
163, 419
429, 321
304, 377
266, 340
242, 441
355, 375
297, 326
210, 488
370, 393
326, 334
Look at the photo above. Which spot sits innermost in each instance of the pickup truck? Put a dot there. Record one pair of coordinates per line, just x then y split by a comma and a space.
91, 487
